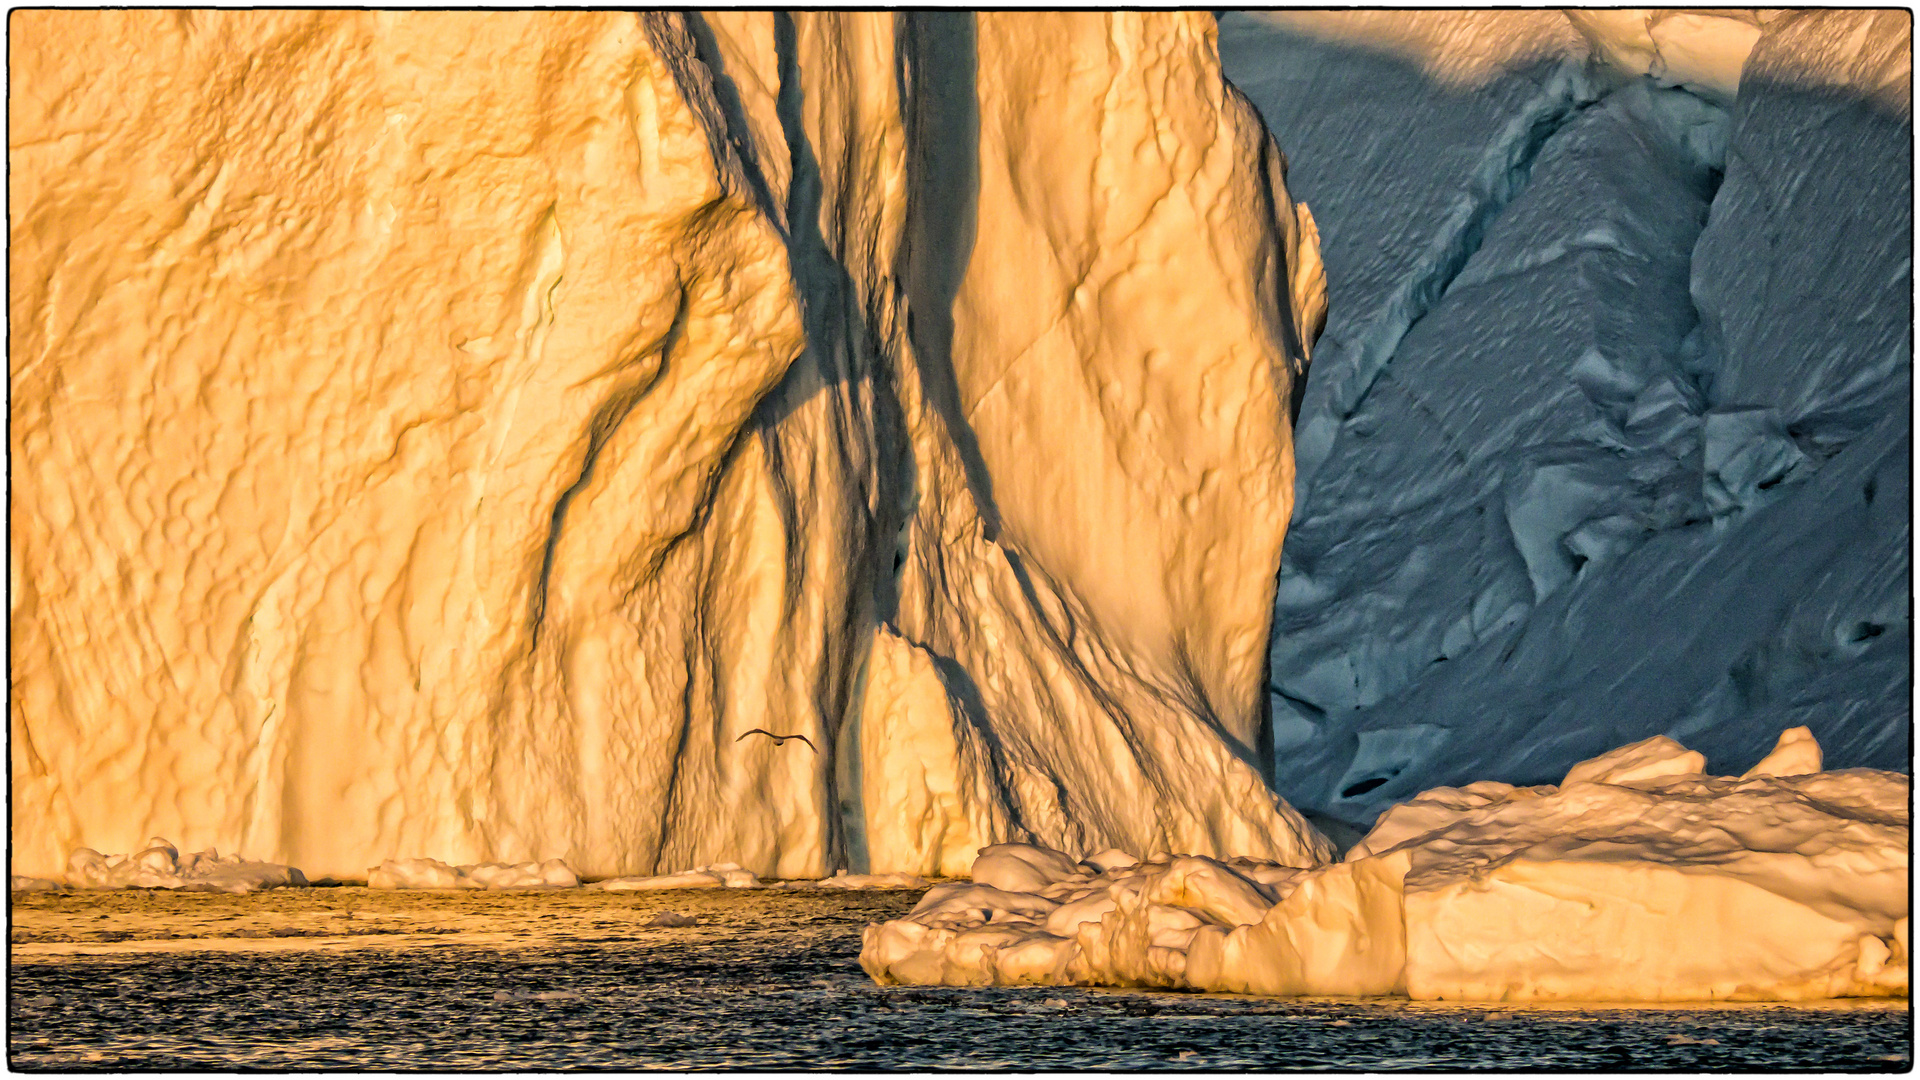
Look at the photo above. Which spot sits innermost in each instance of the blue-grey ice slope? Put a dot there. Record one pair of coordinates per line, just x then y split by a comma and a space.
1609, 432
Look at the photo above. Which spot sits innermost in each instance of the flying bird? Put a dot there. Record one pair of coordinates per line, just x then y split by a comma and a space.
779, 738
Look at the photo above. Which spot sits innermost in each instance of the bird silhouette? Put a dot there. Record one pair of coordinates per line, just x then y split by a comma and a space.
779, 738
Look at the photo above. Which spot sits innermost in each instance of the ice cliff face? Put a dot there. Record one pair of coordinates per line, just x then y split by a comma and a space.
1608, 436
800, 441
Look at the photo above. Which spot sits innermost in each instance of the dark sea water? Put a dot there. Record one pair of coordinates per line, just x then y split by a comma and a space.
350, 979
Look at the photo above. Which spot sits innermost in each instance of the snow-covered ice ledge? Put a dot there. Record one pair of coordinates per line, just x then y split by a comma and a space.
1638, 878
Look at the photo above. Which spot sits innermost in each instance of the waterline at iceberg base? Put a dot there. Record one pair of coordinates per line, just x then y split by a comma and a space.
1639, 878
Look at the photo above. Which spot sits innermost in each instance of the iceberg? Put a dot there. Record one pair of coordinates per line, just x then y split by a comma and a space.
160, 865
1638, 878
809, 441
589, 444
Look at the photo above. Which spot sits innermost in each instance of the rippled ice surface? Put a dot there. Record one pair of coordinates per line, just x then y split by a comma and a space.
347, 978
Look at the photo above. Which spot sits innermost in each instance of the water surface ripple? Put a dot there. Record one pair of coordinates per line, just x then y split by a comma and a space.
348, 979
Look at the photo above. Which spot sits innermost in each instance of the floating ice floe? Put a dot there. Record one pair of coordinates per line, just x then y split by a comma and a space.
860, 882
717, 876
1639, 878
434, 874
26, 883
160, 865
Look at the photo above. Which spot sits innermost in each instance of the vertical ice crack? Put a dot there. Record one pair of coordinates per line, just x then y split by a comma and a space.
942, 118
838, 353
732, 127
1502, 174
600, 430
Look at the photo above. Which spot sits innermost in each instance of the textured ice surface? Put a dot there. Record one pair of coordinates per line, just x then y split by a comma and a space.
646, 440
1815, 324
1638, 878
721, 875
1609, 448
1063, 658
1703, 51
159, 865
1418, 127
333, 391
434, 874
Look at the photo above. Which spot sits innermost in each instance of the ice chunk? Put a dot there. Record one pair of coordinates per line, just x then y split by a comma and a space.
1110, 859
1796, 754
1338, 933
434, 874
159, 865
1648, 759
1645, 884
718, 876
414, 874
552, 873
1022, 867
1085, 906
1211, 889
